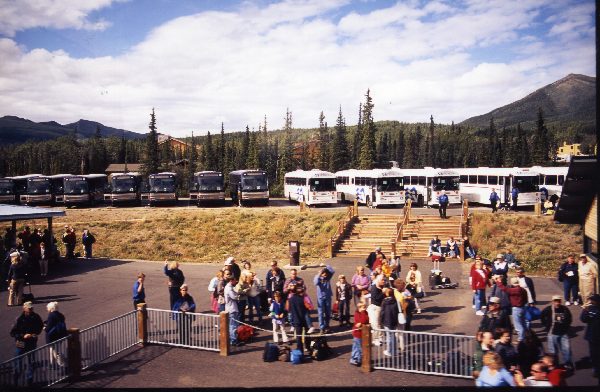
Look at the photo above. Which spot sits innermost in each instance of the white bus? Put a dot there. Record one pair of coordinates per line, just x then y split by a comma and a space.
424, 186
551, 178
84, 190
249, 186
161, 188
312, 187
207, 187
477, 183
373, 188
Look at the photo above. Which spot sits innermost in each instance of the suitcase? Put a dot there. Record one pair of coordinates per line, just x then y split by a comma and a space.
271, 353
28, 296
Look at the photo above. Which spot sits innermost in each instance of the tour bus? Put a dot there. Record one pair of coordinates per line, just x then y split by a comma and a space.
38, 191
57, 182
8, 191
161, 189
424, 186
551, 178
476, 184
21, 185
207, 187
312, 187
84, 190
249, 186
124, 189
376, 187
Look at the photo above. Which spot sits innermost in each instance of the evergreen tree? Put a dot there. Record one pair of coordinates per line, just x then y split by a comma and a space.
540, 142
400, 148
323, 156
221, 150
357, 138
152, 161
367, 147
166, 154
122, 149
523, 157
243, 156
491, 145
339, 153
430, 146
286, 158
253, 162
193, 154
209, 154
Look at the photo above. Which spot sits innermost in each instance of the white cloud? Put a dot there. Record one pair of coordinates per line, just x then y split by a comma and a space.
25, 14
235, 67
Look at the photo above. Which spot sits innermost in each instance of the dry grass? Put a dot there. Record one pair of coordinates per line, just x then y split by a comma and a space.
537, 241
200, 235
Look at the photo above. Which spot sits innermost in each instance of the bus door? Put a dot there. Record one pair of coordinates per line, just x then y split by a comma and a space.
429, 185
507, 189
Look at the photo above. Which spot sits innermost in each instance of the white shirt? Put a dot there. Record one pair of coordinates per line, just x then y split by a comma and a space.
231, 298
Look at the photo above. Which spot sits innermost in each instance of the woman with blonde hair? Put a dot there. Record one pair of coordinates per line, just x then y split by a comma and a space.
493, 373
16, 279
414, 284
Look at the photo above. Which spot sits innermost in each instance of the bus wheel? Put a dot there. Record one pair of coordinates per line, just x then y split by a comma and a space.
420, 201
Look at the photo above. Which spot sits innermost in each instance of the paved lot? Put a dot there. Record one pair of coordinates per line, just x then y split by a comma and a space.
92, 291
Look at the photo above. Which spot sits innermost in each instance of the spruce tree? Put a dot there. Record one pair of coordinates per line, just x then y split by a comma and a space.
339, 154
323, 156
400, 148
221, 150
367, 147
209, 154
540, 142
152, 161
430, 147
356, 139
523, 155
253, 152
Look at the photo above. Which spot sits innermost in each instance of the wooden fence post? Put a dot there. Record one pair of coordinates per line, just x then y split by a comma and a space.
330, 248
224, 344
393, 244
367, 343
142, 318
74, 353
355, 208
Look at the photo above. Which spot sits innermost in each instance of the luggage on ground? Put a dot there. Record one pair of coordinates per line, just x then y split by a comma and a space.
28, 296
284, 353
296, 356
245, 333
271, 352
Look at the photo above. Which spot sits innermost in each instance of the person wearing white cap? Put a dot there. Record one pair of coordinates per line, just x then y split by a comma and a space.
234, 267
494, 317
443, 204
518, 299
25, 331
557, 319
16, 279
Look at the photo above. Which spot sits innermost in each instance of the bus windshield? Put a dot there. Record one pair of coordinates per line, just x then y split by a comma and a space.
256, 182
123, 185
162, 184
389, 184
41, 186
445, 183
527, 183
321, 184
210, 183
76, 187
7, 188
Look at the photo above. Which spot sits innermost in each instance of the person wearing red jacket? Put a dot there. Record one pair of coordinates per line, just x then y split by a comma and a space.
361, 318
479, 279
517, 296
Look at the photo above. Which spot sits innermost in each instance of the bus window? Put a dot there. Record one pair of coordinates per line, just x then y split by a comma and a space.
406, 180
322, 184
493, 180
352, 181
482, 179
421, 180
464, 179
551, 180
527, 183
561, 180
472, 179
501, 180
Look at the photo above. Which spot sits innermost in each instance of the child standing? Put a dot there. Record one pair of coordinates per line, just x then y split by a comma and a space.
278, 316
360, 317
414, 284
343, 294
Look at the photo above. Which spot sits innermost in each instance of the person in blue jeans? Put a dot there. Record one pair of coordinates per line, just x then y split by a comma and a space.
557, 319
324, 293
443, 204
515, 197
494, 199
568, 274
25, 331
231, 307
361, 317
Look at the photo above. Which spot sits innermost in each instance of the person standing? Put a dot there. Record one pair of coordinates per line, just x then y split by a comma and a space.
70, 240
527, 283
518, 299
184, 304
343, 294
360, 283
414, 284
568, 274
495, 318
275, 280
56, 329
16, 279
443, 204
588, 277
231, 307
372, 256
234, 267
299, 310
514, 193
176, 279
494, 198
322, 281
557, 319
590, 315
389, 319
44, 254
360, 318
500, 267
479, 280
25, 331
277, 314
87, 239
139, 292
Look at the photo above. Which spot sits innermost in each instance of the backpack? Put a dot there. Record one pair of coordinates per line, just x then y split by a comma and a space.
319, 349
245, 333
284, 354
271, 352
296, 357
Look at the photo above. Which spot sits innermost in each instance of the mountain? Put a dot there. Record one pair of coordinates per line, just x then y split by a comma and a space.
570, 99
15, 130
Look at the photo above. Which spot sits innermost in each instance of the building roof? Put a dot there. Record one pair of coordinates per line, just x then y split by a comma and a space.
12, 212
120, 168
580, 187
165, 138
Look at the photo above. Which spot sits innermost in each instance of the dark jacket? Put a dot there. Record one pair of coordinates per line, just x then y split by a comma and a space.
371, 259
389, 312
27, 324
275, 282
346, 292
141, 295
516, 294
493, 320
591, 316
17, 271
235, 271
531, 287
504, 301
562, 320
88, 239
53, 328
509, 354
176, 277
184, 303
443, 199
296, 308
376, 295
566, 267
494, 197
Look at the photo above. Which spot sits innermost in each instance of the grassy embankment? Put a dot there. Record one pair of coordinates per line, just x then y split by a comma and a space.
207, 236
537, 241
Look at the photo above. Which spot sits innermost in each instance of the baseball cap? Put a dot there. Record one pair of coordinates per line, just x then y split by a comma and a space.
229, 260
378, 248
494, 300
499, 256
28, 305
557, 298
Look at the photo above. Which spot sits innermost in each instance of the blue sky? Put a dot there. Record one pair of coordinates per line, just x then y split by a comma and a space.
200, 63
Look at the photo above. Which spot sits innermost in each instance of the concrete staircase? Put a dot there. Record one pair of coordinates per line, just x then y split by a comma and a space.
369, 232
379, 230
421, 229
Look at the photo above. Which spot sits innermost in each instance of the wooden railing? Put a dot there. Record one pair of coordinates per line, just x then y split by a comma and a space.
464, 226
401, 224
343, 225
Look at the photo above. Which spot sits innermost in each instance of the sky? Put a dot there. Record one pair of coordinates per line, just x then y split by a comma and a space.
200, 63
